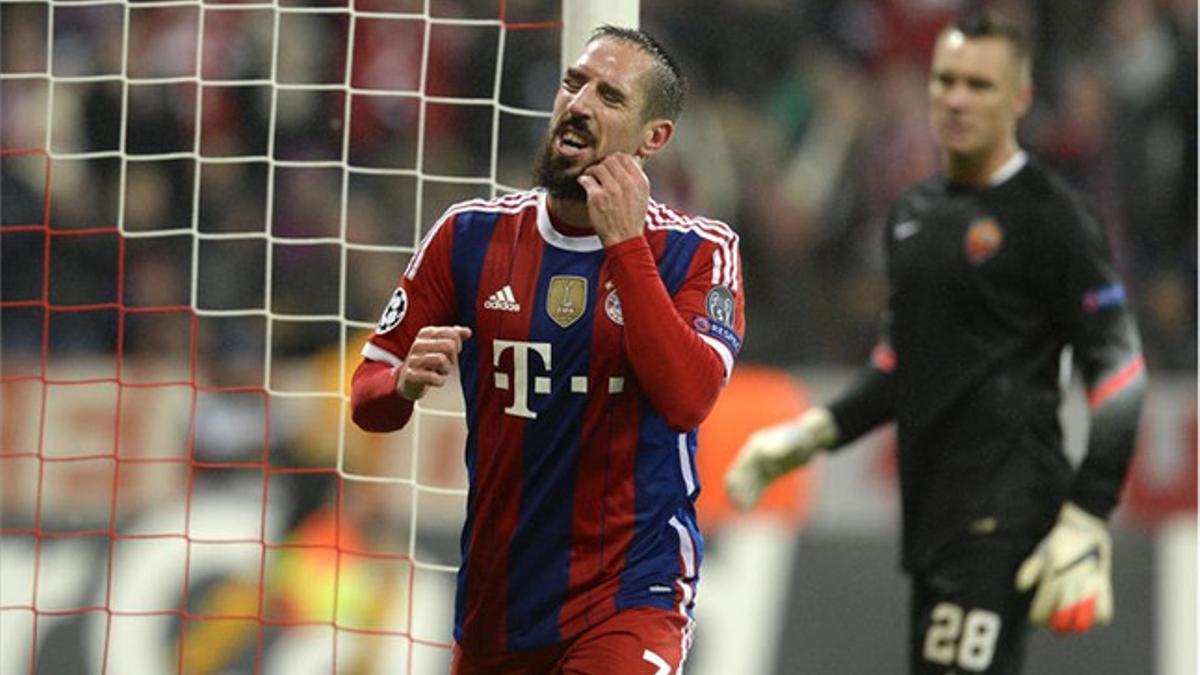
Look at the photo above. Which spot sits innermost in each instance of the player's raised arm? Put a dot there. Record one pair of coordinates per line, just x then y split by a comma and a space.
415, 344
680, 373
680, 366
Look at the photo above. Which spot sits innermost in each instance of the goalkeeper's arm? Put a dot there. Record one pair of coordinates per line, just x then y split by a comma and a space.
1072, 567
774, 451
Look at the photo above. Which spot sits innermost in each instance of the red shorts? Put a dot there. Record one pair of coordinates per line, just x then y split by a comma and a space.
632, 642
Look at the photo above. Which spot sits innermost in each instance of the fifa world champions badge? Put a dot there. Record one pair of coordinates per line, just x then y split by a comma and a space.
565, 299
983, 239
393, 314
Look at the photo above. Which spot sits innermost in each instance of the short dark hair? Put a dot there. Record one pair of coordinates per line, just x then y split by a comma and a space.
667, 87
985, 24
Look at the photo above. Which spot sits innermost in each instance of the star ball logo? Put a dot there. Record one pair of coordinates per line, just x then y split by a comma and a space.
393, 314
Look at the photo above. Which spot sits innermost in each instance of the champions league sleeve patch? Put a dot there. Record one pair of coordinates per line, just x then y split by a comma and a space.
1112, 295
719, 305
393, 314
706, 326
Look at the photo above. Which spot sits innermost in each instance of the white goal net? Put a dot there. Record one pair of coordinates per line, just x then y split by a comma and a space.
204, 206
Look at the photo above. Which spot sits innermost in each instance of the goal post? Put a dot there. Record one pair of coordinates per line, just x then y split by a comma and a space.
581, 17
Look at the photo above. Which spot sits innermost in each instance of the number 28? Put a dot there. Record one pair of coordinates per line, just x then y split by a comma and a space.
966, 639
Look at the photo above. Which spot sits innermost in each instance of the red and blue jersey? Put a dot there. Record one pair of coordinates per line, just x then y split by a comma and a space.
585, 377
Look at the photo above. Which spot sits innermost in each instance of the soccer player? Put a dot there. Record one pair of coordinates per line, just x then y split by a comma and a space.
995, 267
593, 329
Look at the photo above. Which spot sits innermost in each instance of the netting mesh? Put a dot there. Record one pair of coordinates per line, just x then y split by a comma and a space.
204, 207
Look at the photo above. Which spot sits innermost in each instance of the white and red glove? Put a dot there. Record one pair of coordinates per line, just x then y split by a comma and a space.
1072, 570
771, 452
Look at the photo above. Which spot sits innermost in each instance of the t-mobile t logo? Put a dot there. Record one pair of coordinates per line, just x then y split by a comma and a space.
520, 388
518, 382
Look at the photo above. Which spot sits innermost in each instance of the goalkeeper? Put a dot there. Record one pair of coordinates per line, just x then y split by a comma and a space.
995, 269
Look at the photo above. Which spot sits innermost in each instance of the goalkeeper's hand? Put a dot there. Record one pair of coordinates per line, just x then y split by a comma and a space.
1072, 571
774, 451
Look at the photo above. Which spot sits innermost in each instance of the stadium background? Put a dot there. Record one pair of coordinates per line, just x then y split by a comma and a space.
203, 206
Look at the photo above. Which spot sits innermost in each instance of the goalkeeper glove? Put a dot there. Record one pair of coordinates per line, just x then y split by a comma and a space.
1072, 571
774, 451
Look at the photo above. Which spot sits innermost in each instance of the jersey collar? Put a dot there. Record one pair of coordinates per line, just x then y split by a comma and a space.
1009, 168
585, 244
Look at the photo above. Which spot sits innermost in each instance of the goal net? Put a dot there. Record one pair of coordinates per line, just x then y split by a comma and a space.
204, 206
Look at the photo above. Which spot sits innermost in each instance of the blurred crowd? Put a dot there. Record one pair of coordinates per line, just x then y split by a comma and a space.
805, 121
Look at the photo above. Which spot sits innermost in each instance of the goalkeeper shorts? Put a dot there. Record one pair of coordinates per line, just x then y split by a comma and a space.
966, 615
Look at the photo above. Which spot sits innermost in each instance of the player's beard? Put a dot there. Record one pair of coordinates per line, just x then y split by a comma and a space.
557, 173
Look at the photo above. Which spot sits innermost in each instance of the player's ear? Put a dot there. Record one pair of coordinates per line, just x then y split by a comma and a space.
1024, 89
655, 135
1024, 98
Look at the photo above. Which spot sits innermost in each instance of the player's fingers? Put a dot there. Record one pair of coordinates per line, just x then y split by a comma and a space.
454, 333
423, 377
432, 361
1030, 571
1085, 615
747, 450
589, 184
1076, 617
1104, 605
614, 166
629, 173
629, 168
450, 345
1043, 604
440, 363
741, 492
602, 173
1063, 620
735, 483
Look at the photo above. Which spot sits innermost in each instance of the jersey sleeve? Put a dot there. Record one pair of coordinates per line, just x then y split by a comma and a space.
424, 297
711, 300
1091, 311
869, 399
681, 347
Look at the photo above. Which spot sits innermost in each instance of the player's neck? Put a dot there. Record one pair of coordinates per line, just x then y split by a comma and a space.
978, 169
570, 212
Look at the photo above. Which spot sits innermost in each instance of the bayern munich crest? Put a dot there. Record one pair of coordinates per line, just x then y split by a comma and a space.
393, 314
612, 307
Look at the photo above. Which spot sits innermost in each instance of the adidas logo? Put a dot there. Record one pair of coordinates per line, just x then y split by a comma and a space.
503, 300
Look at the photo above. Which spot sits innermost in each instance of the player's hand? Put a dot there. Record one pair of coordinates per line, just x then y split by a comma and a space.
774, 451
1072, 571
618, 193
432, 356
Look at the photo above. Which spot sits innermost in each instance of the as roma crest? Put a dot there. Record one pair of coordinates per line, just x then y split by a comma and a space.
983, 239
566, 298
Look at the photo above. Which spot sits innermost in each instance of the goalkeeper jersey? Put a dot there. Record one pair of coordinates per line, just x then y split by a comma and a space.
987, 286
586, 374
